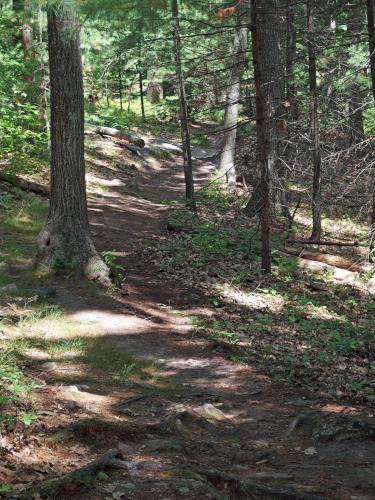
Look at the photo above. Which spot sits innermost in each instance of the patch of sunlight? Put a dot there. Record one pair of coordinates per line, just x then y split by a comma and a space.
53, 323
110, 322
253, 300
321, 312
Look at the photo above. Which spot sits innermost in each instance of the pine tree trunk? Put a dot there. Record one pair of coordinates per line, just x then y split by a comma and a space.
228, 148
142, 96
269, 63
314, 127
266, 50
65, 241
291, 51
185, 133
371, 36
354, 27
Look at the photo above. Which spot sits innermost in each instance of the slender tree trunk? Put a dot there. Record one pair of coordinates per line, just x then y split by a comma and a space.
228, 148
266, 51
142, 96
120, 87
314, 127
65, 241
371, 37
291, 51
185, 133
354, 27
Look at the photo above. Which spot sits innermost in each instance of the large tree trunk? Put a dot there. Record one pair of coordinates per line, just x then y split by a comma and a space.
266, 51
185, 133
354, 26
228, 148
272, 63
65, 241
314, 127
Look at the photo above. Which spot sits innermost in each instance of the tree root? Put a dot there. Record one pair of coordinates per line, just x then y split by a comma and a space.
110, 460
243, 489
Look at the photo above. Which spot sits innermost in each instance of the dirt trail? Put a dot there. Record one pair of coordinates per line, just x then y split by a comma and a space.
204, 412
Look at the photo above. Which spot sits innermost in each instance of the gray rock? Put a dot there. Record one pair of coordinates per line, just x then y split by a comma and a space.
9, 289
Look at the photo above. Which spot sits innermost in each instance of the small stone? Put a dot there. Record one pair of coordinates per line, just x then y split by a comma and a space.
9, 289
210, 412
50, 365
71, 405
310, 451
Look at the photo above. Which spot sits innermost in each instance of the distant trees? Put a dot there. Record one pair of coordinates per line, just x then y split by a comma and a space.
226, 165
65, 241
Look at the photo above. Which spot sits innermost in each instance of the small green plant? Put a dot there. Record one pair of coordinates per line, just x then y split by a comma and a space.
110, 258
27, 418
5, 488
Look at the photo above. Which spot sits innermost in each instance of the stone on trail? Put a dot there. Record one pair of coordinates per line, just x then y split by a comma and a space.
210, 412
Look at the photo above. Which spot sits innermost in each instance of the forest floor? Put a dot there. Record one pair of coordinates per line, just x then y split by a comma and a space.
150, 370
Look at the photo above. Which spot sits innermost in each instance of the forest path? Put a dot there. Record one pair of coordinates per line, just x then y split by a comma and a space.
198, 410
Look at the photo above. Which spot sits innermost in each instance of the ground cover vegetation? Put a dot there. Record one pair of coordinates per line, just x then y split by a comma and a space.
187, 247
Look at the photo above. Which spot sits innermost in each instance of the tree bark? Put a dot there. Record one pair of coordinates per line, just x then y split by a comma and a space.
291, 51
271, 73
371, 37
185, 133
65, 242
266, 51
314, 126
228, 148
354, 27
142, 96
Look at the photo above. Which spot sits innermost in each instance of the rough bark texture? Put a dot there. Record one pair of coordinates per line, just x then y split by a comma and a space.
228, 148
356, 132
65, 241
266, 49
291, 52
185, 133
314, 127
371, 36
269, 63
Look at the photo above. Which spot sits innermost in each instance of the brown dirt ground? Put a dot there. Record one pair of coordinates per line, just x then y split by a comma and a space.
158, 422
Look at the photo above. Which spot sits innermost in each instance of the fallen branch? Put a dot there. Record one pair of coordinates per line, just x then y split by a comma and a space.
32, 187
333, 260
121, 134
325, 243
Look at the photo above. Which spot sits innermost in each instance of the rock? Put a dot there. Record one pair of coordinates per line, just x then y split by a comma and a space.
203, 153
46, 293
9, 289
210, 412
71, 405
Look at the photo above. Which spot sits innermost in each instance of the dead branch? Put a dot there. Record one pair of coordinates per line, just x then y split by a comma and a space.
120, 134
326, 243
25, 185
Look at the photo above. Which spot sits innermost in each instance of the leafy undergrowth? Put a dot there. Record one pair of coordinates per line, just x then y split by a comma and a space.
294, 325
